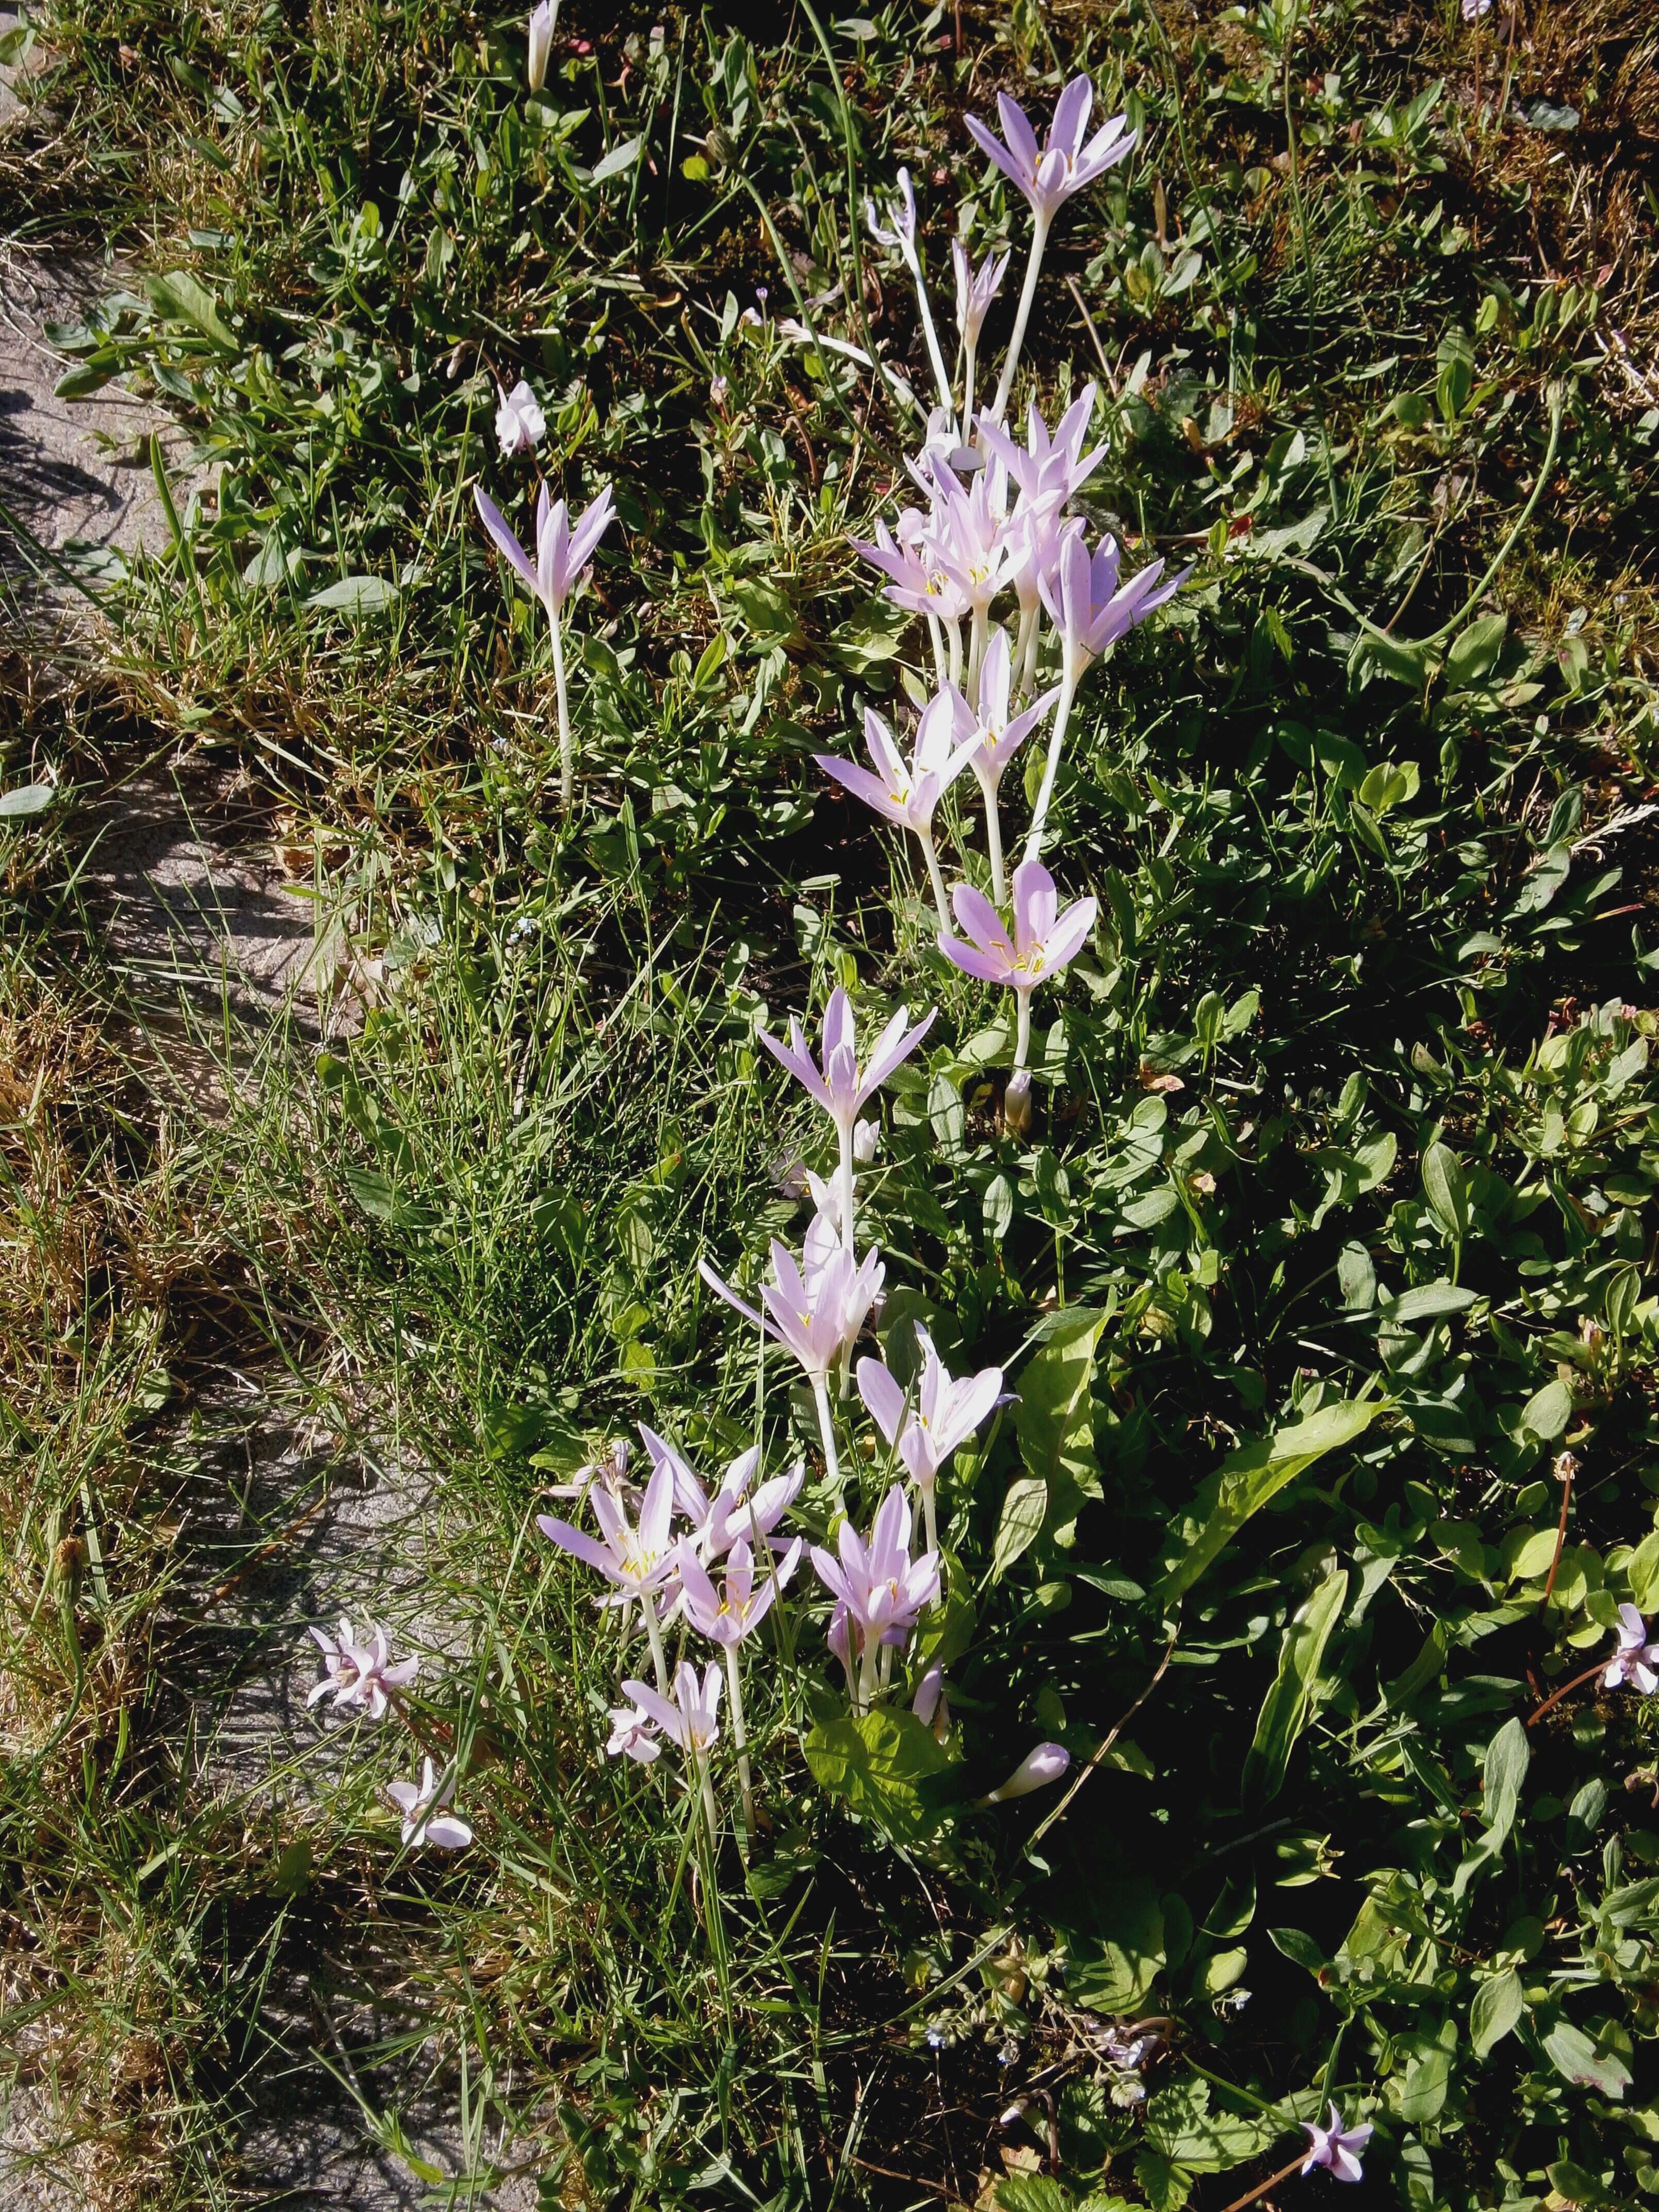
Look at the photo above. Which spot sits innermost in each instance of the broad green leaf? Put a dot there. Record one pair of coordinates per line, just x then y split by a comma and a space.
1180, 2124
1289, 1705
1444, 1188
1474, 651
82, 382
25, 800
1498, 2004
620, 157
1114, 1972
1247, 1478
1430, 1301
1573, 2054
1167, 2187
1025, 1508
877, 1762
179, 297
1053, 1422
1298, 1948
1548, 1412
1508, 1756
356, 595
1423, 2094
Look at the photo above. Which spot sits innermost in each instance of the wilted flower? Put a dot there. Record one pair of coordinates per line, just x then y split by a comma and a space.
359, 1672
1337, 2147
1635, 1661
520, 424
541, 21
424, 1820
1035, 1772
1048, 175
930, 1705
633, 1735
975, 288
691, 1718
899, 230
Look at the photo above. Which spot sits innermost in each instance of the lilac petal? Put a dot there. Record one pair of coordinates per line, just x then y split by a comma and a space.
655, 1707
883, 1398
1069, 933
800, 1065
1016, 129
506, 543
447, 1831
580, 1546
725, 1290
893, 1047
990, 144
1035, 903
864, 786
983, 922
985, 967
1071, 115
829, 1572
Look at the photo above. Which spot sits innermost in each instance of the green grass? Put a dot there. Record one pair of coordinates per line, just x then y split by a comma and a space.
1348, 1101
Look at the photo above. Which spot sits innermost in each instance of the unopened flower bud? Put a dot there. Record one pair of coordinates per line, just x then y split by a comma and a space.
1017, 1104
866, 1140
541, 42
1035, 1772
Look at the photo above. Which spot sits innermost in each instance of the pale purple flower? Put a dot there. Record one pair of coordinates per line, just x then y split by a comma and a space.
883, 1589
975, 288
817, 1315
520, 424
839, 1084
690, 1718
727, 1611
908, 791
732, 1511
968, 534
1088, 606
541, 21
900, 229
1035, 1772
1048, 175
1337, 2147
1044, 940
1045, 466
359, 1672
929, 1704
718, 388
633, 1735
1635, 1661
928, 1424
999, 735
636, 1559
918, 583
421, 1805
866, 1138
563, 554
1474, 9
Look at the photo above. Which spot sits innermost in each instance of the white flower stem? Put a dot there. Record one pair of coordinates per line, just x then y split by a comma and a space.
931, 337
971, 348
930, 1513
1028, 293
847, 1187
866, 1672
936, 877
953, 631
978, 632
827, 1436
988, 786
1025, 650
1022, 1029
1051, 766
711, 1811
740, 1745
937, 635
566, 752
652, 1629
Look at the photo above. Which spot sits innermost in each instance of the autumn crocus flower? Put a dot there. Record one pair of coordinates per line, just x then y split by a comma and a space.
884, 1590
925, 1426
1044, 940
688, 1717
1090, 610
521, 425
633, 1735
636, 1558
998, 736
359, 1672
838, 1083
1035, 1772
900, 232
908, 791
421, 1805
976, 290
1636, 1660
563, 556
732, 1511
727, 1614
1337, 2147
1046, 465
542, 20
1048, 176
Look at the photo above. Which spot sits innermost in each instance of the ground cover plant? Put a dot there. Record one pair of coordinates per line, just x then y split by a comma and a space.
1133, 1634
